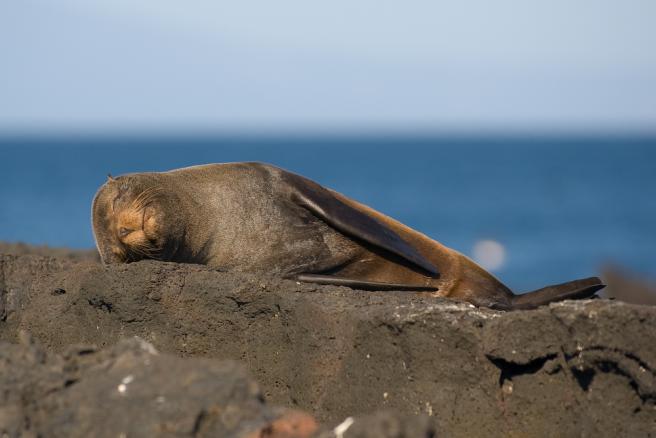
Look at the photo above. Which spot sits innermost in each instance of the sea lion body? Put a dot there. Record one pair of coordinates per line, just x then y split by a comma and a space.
255, 217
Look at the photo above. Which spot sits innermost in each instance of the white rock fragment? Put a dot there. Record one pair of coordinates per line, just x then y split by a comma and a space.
146, 346
343, 427
123, 386
429, 409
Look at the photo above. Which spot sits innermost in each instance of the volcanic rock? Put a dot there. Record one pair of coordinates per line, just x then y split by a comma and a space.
584, 368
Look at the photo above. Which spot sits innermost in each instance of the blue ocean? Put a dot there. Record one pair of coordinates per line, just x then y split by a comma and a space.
554, 208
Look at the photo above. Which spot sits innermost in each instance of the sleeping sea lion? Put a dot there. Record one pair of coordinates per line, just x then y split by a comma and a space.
256, 217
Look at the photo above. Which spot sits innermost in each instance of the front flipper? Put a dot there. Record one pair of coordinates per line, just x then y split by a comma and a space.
355, 223
359, 284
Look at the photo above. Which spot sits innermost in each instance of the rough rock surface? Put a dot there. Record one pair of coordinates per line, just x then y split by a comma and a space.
384, 424
19, 248
129, 390
628, 287
583, 368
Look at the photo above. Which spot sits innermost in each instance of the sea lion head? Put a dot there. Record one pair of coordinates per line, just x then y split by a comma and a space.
131, 220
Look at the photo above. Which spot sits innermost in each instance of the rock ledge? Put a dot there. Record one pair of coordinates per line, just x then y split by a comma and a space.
569, 369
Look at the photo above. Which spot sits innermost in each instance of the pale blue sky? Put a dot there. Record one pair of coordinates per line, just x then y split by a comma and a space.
468, 65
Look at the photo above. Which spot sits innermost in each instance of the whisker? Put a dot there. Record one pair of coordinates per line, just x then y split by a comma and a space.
145, 197
145, 249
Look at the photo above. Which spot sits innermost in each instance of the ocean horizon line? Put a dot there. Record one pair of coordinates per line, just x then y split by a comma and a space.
392, 136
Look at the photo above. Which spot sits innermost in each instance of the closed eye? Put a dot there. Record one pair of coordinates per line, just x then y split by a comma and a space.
122, 232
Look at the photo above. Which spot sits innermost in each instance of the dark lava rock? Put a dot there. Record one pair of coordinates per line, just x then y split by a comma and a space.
384, 424
129, 390
627, 286
19, 248
585, 368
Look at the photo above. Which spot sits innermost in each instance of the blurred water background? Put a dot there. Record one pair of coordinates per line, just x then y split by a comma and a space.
535, 210
522, 134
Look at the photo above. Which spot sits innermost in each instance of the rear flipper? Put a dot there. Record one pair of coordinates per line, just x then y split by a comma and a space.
572, 290
360, 284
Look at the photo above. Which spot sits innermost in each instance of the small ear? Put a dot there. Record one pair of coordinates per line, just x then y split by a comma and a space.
110, 178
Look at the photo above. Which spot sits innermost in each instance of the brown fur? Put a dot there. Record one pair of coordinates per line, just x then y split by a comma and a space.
247, 217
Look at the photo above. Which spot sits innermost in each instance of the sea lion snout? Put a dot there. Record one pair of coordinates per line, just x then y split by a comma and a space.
134, 221
138, 229
137, 226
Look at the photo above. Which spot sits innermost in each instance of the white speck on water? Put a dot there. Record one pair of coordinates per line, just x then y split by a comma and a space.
124, 383
385, 395
490, 254
368, 356
160, 399
343, 427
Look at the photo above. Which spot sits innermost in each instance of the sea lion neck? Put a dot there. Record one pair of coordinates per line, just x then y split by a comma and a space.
189, 236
